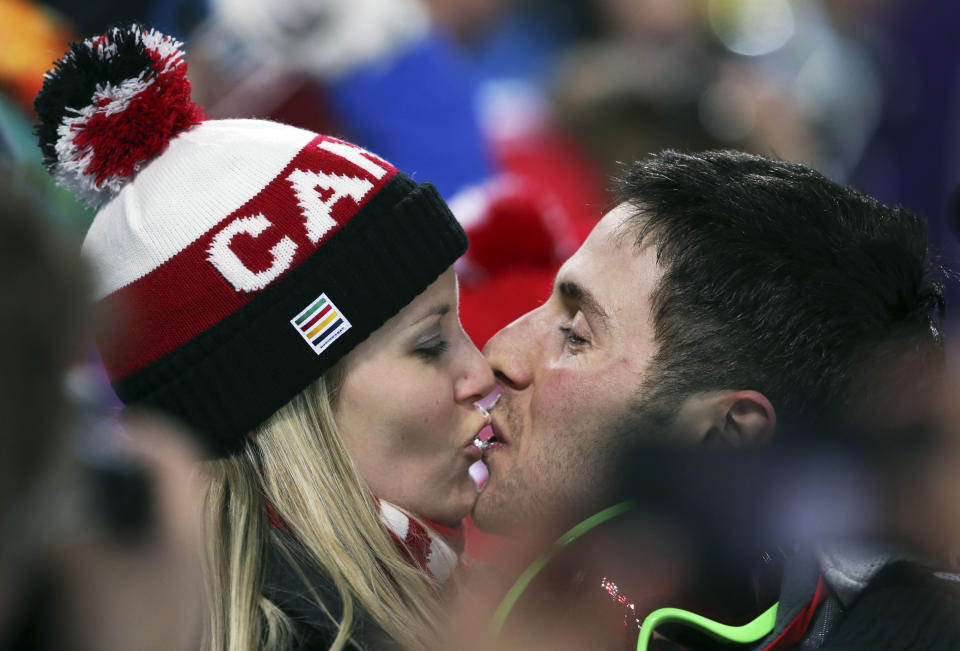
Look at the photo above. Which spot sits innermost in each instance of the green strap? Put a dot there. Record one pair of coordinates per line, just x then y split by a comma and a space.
749, 632
503, 610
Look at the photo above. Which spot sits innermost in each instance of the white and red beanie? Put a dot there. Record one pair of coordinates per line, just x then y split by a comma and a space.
245, 256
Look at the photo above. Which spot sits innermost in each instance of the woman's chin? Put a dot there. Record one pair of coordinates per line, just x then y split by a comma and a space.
454, 511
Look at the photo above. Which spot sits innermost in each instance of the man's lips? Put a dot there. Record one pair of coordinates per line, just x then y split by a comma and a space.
498, 432
489, 436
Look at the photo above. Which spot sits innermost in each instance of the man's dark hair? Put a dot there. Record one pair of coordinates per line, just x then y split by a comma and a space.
779, 280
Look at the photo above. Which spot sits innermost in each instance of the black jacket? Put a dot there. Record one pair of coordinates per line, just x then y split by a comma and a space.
905, 606
286, 588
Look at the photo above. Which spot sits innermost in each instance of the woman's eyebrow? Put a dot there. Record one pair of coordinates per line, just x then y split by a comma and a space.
437, 310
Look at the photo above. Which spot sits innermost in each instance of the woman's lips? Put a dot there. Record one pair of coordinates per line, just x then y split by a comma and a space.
473, 452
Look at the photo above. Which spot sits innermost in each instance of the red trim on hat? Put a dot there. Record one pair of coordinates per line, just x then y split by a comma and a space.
186, 295
795, 630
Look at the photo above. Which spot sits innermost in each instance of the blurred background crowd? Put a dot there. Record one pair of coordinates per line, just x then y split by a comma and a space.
519, 111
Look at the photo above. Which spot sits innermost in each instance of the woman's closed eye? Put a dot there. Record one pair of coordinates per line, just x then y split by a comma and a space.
432, 349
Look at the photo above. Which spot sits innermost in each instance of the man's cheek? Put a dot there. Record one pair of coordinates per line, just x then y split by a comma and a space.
564, 401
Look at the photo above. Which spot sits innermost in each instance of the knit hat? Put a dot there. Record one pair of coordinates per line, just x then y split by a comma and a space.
245, 256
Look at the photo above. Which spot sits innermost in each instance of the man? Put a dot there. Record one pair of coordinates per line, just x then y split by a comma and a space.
727, 300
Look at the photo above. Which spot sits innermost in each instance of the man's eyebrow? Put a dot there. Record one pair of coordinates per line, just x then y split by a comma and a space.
572, 291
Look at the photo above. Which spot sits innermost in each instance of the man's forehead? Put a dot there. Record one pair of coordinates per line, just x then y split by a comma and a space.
609, 244
613, 228
583, 279
609, 268
573, 278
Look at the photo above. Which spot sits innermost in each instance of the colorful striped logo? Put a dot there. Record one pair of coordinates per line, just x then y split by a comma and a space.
320, 323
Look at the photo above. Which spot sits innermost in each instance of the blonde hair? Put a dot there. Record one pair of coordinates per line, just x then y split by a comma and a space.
298, 460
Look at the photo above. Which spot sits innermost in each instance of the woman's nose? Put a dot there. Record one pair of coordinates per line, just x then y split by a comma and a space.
477, 379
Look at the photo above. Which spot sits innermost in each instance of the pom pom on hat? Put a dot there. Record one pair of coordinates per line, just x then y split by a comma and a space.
110, 106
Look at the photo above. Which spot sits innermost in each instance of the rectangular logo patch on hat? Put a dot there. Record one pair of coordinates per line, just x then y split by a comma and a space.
320, 323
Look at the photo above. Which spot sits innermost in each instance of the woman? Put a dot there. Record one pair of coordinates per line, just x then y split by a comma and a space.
291, 298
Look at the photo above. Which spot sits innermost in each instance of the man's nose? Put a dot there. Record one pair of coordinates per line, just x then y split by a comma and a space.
510, 353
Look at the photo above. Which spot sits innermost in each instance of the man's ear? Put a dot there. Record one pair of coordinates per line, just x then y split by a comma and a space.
728, 418
748, 418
